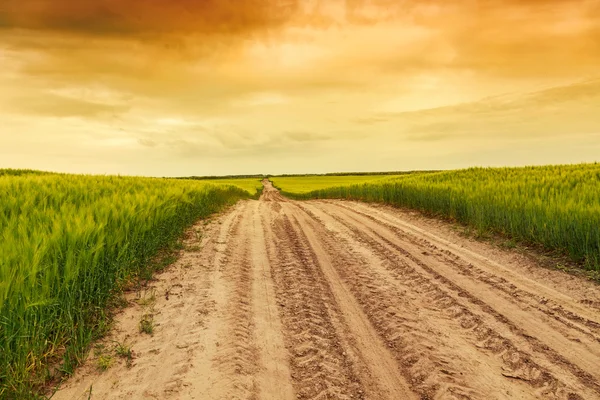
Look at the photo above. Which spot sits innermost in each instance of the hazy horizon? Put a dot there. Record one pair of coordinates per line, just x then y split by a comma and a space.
183, 88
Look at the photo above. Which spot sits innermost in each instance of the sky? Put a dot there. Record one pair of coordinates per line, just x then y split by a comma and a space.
217, 87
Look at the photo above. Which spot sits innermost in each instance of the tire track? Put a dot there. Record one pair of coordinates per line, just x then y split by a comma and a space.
372, 356
479, 321
274, 377
533, 310
236, 358
320, 366
427, 371
560, 307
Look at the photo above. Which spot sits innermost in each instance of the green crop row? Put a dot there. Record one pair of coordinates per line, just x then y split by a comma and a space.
554, 206
68, 244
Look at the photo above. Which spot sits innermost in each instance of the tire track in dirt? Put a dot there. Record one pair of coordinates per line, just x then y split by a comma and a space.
237, 353
560, 307
274, 377
320, 367
372, 356
534, 309
247, 359
487, 328
414, 342
357, 363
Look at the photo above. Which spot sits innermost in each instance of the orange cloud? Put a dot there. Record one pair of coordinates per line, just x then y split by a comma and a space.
119, 17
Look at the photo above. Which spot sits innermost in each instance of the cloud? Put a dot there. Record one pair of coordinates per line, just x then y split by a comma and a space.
59, 106
222, 49
557, 111
134, 17
229, 141
147, 142
370, 120
302, 136
240, 17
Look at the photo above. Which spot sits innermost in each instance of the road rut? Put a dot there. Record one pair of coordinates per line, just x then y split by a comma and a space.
279, 299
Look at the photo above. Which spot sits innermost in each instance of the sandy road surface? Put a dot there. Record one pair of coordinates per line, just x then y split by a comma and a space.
341, 300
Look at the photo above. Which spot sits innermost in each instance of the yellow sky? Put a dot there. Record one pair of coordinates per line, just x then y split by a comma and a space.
182, 87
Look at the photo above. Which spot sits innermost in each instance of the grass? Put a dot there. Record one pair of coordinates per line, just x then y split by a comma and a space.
250, 185
69, 246
556, 207
295, 185
147, 299
22, 172
124, 351
104, 362
147, 324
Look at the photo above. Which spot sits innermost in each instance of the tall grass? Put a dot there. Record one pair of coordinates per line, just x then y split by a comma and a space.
67, 245
554, 206
251, 185
21, 172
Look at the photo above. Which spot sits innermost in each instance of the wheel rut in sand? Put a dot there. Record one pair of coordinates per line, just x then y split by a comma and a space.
341, 300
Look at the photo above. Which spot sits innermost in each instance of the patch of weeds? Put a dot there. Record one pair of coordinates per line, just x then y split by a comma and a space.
178, 245
148, 298
483, 235
508, 244
562, 267
465, 231
147, 324
123, 350
145, 275
104, 362
119, 301
99, 349
165, 262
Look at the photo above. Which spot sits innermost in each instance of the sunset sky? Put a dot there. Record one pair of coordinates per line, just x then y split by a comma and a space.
213, 87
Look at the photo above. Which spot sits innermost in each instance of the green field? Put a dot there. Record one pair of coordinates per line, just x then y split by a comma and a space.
251, 185
554, 206
305, 184
70, 244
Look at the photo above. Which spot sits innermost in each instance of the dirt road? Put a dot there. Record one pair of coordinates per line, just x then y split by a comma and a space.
340, 300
